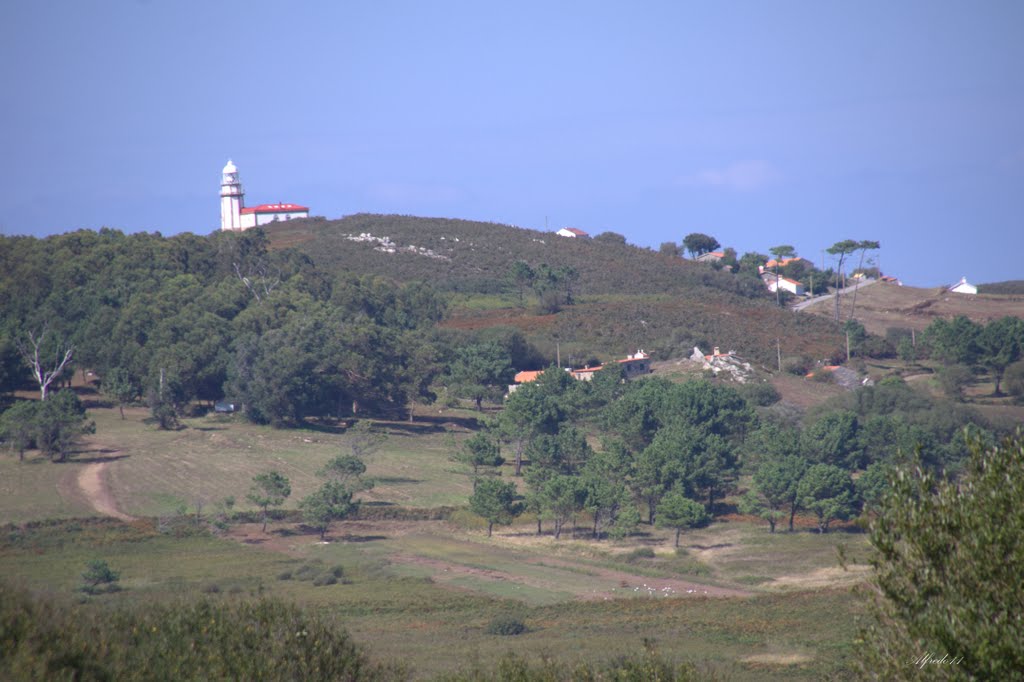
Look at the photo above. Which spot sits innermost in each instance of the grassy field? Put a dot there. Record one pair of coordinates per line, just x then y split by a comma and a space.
424, 593
742, 602
152, 472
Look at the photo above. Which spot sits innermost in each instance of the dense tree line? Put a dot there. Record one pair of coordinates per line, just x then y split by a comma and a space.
626, 453
188, 318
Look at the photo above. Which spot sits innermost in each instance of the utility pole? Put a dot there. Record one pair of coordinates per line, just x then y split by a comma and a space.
778, 352
558, 355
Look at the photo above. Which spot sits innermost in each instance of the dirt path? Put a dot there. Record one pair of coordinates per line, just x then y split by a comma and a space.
92, 482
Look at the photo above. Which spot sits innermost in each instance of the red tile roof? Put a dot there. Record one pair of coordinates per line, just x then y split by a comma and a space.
275, 208
528, 376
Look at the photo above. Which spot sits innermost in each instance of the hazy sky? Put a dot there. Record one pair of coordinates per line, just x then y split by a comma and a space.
760, 123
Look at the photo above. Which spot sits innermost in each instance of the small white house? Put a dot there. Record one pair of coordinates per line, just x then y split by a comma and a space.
572, 233
783, 283
963, 287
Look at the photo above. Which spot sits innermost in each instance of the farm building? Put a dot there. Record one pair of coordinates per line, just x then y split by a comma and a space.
572, 233
636, 364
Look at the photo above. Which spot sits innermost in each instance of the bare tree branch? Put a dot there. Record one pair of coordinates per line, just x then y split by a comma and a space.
33, 353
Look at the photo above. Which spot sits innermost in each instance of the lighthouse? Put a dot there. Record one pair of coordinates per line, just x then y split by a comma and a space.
231, 198
235, 216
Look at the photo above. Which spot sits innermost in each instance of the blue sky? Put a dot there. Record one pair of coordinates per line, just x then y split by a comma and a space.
760, 123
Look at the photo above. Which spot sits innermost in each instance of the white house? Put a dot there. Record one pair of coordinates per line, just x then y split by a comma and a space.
963, 287
783, 283
572, 233
235, 216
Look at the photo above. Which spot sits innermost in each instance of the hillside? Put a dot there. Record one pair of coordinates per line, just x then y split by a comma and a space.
883, 306
627, 297
466, 256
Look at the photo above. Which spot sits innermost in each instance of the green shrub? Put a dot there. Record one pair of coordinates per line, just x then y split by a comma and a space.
506, 625
309, 570
761, 394
325, 579
638, 554
44, 639
212, 588
337, 571
99, 578
284, 575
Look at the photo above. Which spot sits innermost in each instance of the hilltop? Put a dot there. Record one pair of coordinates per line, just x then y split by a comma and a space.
883, 306
627, 297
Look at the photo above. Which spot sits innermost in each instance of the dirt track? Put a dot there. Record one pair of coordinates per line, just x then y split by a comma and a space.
93, 484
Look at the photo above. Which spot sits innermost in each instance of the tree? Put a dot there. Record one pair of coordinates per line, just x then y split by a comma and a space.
481, 372
522, 275
99, 577
1000, 343
953, 341
331, 502
270, 489
1014, 379
118, 385
47, 355
863, 246
18, 426
776, 484
670, 249
611, 238
698, 243
364, 440
676, 510
562, 496
780, 252
481, 454
947, 565
60, 422
495, 502
841, 250
826, 491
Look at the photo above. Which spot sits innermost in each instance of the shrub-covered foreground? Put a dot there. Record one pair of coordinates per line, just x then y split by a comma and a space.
201, 640
43, 638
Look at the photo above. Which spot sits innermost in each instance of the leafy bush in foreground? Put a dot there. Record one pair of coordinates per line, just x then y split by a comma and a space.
201, 640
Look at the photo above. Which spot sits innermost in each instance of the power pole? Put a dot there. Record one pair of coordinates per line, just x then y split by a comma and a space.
778, 352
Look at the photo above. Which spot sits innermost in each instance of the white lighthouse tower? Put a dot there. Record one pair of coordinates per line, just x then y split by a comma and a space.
231, 199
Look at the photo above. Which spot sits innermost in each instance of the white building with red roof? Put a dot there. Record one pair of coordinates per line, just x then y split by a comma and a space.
572, 233
234, 215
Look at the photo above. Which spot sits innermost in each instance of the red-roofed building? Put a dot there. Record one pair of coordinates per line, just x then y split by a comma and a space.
572, 233
711, 257
235, 216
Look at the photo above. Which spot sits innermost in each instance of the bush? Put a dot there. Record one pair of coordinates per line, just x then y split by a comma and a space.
43, 639
639, 553
761, 394
799, 366
506, 625
325, 579
308, 571
99, 578
284, 575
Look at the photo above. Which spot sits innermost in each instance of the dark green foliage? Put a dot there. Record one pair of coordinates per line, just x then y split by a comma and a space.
99, 578
698, 243
760, 394
1012, 287
269, 489
948, 565
331, 502
677, 511
195, 640
481, 372
18, 427
506, 625
59, 422
827, 492
776, 486
495, 501
1013, 379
